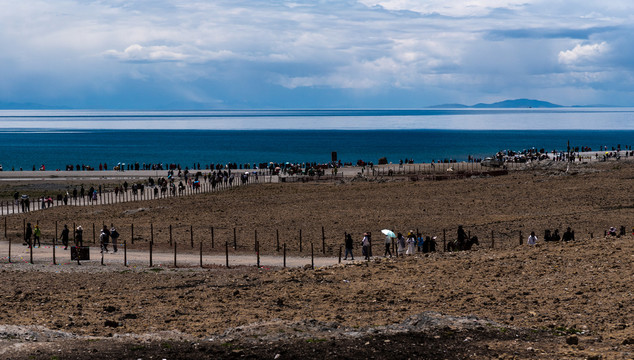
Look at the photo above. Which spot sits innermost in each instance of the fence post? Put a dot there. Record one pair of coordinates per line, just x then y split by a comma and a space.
235, 241
227, 253
9, 251
340, 254
284, 254
255, 244
312, 256
323, 241
521, 238
175, 246
212, 237
201, 254
300, 240
444, 240
93, 233
151, 243
277, 237
132, 233
170, 234
125, 253
54, 262
191, 235
257, 252
492, 240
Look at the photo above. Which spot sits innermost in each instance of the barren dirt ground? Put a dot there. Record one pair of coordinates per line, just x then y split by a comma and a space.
552, 301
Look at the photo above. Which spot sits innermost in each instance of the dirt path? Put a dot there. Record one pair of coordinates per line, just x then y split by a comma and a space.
43, 258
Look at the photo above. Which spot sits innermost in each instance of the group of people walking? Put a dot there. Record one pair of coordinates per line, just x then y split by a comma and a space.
32, 236
403, 245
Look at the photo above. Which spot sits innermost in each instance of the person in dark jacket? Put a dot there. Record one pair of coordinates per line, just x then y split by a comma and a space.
65, 237
348, 247
27, 234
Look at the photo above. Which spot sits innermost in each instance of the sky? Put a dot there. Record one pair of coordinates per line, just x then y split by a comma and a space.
248, 54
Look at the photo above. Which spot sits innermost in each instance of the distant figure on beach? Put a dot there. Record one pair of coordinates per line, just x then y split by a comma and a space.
37, 233
532, 239
65, 233
348, 247
79, 236
569, 235
28, 233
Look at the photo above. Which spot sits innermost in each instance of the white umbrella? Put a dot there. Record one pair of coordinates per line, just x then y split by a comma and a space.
389, 233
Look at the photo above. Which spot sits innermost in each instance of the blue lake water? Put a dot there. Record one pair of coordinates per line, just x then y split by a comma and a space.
57, 138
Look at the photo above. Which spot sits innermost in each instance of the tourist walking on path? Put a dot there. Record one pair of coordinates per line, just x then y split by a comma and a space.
104, 238
28, 233
400, 241
532, 239
79, 236
37, 233
65, 237
411, 243
348, 247
365, 243
114, 235
388, 244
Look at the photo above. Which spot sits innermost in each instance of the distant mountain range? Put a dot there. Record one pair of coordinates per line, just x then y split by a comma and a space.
508, 104
517, 103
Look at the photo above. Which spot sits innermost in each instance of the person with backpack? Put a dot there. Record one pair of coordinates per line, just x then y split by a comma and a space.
114, 235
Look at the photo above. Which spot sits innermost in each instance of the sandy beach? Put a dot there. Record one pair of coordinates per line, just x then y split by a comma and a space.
500, 300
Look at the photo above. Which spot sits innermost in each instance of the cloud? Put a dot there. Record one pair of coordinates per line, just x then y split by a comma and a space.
252, 52
584, 54
160, 53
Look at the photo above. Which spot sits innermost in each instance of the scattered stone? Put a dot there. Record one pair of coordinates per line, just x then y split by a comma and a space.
628, 341
110, 309
572, 340
110, 323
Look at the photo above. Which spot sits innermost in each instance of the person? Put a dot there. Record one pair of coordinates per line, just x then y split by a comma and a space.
400, 242
569, 235
65, 237
103, 241
114, 235
388, 244
79, 236
104, 238
37, 233
348, 247
411, 243
612, 231
532, 239
462, 236
365, 244
420, 242
27, 235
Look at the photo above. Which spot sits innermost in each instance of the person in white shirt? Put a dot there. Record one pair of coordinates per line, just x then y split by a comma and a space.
532, 240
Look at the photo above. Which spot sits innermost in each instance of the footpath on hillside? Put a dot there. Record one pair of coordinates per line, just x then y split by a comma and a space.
43, 258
